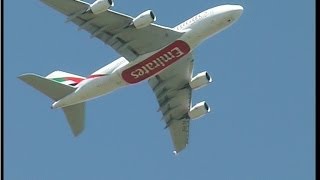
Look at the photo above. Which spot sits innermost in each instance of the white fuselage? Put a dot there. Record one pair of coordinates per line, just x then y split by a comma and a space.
121, 73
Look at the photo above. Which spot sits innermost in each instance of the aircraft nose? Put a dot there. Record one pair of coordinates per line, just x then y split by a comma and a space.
236, 11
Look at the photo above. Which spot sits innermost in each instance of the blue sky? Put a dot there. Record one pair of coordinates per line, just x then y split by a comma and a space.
263, 99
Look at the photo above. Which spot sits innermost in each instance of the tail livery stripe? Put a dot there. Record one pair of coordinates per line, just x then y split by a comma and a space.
96, 75
68, 80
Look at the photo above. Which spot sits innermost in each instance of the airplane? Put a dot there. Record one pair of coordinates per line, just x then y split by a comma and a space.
161, 55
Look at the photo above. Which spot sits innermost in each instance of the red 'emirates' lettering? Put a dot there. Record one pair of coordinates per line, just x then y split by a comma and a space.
156, 63
161, 61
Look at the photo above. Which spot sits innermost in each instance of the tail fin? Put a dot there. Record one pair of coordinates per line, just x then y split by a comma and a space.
56, 90
65, 78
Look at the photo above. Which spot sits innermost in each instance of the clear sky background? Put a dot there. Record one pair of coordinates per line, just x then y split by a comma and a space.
263, 99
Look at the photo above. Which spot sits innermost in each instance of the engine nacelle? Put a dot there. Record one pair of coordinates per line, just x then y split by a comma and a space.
198, 110
100, 6
200, 80
144, 19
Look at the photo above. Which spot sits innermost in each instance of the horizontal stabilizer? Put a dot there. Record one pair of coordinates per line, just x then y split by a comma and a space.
75, 115
53, 89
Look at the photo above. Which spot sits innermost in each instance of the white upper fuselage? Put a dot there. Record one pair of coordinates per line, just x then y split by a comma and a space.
208, 23
120, 72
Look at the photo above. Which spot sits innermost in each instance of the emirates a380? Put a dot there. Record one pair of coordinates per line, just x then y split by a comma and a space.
161, 55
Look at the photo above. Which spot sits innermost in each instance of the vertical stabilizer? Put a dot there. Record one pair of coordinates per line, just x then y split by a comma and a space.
65, 78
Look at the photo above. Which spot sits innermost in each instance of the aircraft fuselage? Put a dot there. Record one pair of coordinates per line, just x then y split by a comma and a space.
121, 72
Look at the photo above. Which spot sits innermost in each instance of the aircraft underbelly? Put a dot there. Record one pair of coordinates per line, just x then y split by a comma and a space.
90, 89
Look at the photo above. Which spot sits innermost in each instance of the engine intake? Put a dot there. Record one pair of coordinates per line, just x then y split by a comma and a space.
100, 6
144, 19
200, 80
198, 110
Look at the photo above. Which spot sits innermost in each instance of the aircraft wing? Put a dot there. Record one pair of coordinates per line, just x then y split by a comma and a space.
174, 97
113, 29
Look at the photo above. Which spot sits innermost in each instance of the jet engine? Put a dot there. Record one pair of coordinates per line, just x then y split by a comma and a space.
144, 19
100, 6
198, 110
200, 80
